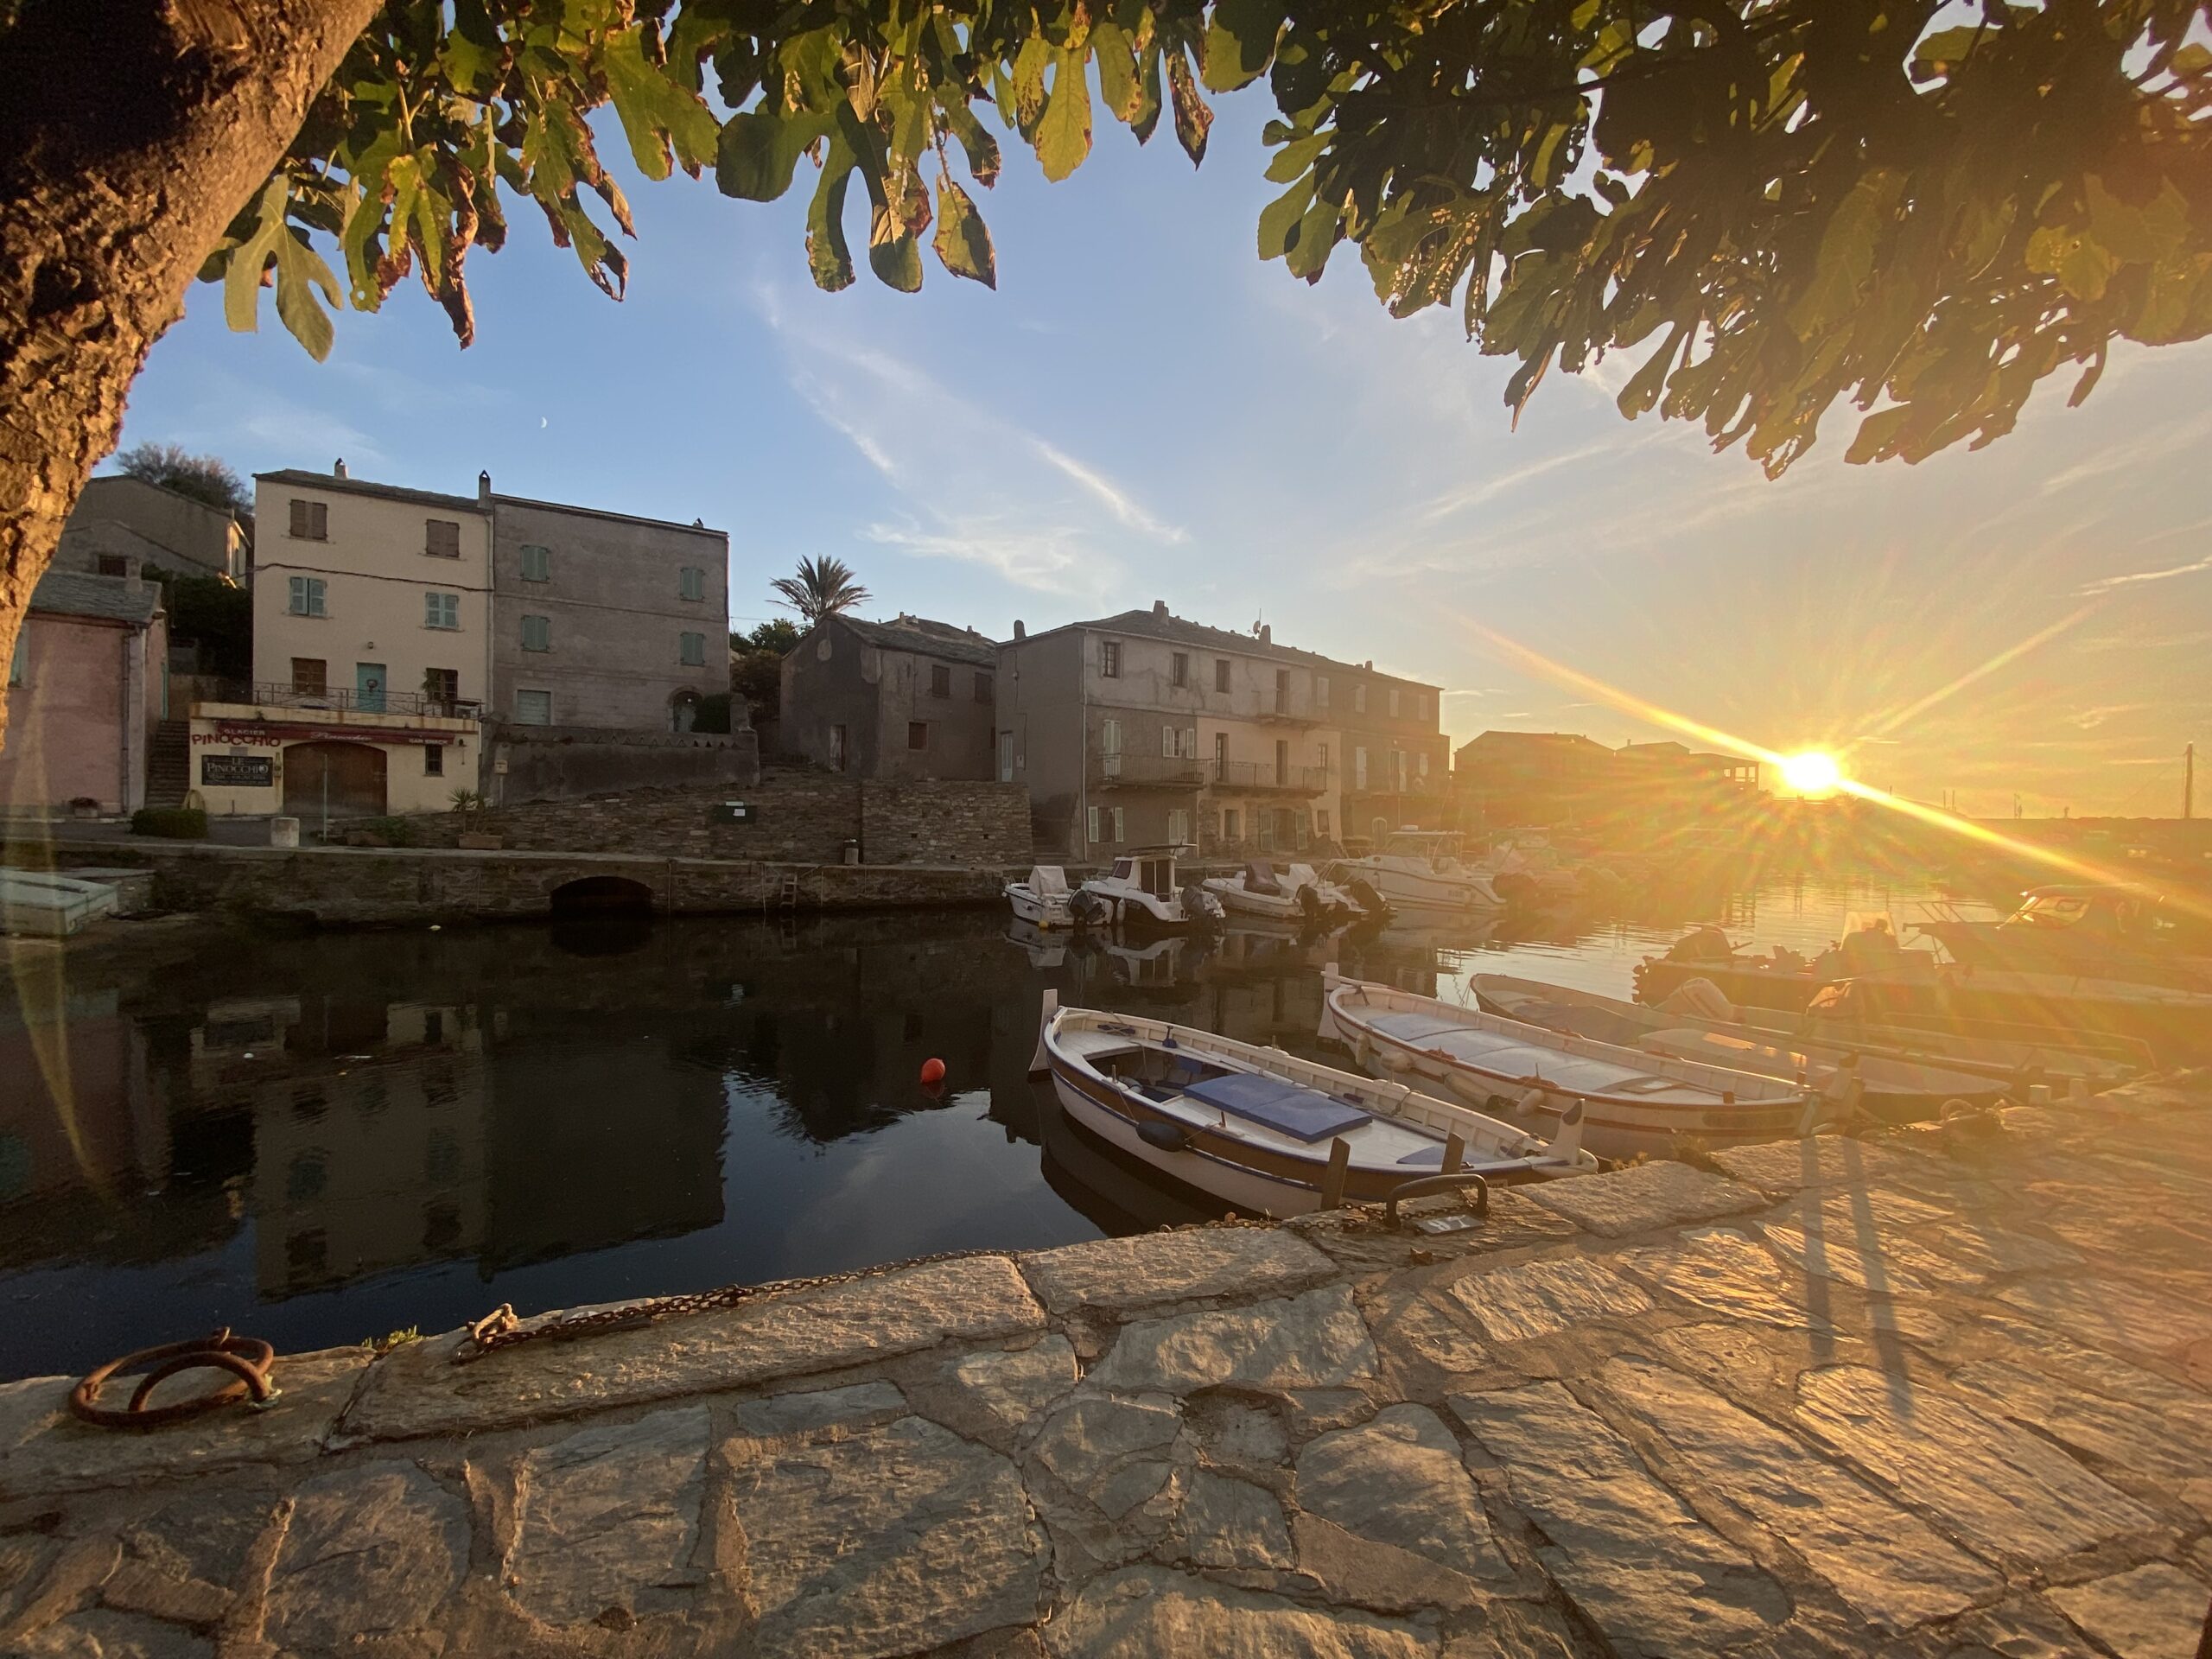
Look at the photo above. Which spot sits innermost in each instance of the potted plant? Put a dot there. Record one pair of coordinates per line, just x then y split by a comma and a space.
470, 807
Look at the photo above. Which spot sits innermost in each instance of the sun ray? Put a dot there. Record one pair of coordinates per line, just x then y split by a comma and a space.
2080, 869
2010, 654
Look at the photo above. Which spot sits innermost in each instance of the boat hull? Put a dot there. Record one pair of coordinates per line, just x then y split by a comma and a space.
1611, 1127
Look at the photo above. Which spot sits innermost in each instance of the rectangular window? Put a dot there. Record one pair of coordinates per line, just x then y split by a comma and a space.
1394, 702
533, 708
1325, 759
1180, 674
1283, 762
442, 610
1189, 750
691, 583
441, 539
1167, 742
1109, 659
441, 685
1220, 754
114, 564
984, 689
1424, 765
1282, 690
307, 597
691, 650
310, 520
1091, 827
1398, 767
538, 633
311, 677
1221, 673
1320, 690
434, 761
536, 562
917, 734
1117, 826
1231, 827
1321, 821
1359, 699
1179, 824
1110, 748
1359, 768
940, 680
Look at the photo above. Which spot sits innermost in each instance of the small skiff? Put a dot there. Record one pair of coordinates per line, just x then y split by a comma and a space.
1896, 1090
1256, 1128
1294, 894
1633, 1102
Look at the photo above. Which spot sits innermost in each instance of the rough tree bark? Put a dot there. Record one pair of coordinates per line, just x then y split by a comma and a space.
131, 132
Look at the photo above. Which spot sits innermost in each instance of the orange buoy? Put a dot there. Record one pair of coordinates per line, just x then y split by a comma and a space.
933, 1070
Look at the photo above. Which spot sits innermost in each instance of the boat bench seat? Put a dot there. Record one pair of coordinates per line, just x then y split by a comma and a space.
1287, 1108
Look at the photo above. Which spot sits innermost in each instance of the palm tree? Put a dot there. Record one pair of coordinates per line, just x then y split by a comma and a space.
823, 587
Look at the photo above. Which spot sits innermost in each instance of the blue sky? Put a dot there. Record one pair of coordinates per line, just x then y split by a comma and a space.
1143, 411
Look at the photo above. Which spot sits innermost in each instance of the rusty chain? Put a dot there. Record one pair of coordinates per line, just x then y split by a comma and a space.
501, 1328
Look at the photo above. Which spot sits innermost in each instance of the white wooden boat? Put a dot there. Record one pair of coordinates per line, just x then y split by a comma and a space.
1898, 1089
1042, 900
1256, 1128
1292, 893
1633, 1102
1420, 870
1140, 892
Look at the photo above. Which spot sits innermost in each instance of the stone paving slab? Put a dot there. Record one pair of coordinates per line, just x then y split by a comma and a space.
1933, 1395
1645, 1196
419, 1391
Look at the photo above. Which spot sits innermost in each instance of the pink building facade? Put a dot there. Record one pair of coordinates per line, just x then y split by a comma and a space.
88, 685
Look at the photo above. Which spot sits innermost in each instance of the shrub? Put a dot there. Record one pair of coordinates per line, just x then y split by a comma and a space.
174, 822
393, 832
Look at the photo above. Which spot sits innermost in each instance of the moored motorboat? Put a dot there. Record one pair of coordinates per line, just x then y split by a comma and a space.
1258, 1128
1140, 892
1895, 1089
2109, 931
1042, 900
1420, 870
1634, 1103
1292, 893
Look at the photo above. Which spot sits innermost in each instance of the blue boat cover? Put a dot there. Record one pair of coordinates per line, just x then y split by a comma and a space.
1302, 1114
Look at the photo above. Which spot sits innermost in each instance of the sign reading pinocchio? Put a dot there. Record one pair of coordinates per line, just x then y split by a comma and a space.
238, 770
273, 734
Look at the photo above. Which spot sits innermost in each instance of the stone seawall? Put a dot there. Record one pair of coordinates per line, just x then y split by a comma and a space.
355, 886
1946, 1394
797, 816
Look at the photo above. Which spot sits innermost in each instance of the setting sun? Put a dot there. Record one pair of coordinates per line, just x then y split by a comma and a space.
1812, 773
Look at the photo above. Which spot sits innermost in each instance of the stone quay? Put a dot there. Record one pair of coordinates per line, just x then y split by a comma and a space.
1945, 1392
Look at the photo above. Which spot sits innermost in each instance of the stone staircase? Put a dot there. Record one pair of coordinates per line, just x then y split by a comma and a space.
168, 763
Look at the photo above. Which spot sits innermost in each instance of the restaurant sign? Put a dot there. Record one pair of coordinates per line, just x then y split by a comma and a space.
238, 771
275, 735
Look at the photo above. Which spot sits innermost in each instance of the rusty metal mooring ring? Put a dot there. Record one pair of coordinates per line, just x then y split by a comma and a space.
247, 1358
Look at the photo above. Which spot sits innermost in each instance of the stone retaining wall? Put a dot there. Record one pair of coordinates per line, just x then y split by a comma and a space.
944, 822
351, 887
1942, 1394
556, 763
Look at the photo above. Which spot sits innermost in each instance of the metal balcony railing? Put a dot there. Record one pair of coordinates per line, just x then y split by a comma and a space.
1266, 775
277, 694
1148, 771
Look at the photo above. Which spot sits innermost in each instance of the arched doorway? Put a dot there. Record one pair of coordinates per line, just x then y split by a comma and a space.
683, 710
346, 780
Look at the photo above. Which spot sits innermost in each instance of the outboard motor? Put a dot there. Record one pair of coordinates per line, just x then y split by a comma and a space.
1309, 903
1201, 908
1087, 910
1369, 901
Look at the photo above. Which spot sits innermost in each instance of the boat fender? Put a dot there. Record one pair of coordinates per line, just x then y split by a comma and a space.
1041, 1060
1566, 1144
1166, 1137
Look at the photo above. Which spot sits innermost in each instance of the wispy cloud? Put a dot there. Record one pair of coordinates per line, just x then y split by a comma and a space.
2106, 584
1117, 503
2090, 719
1049, 559
2145, 642
1454, 502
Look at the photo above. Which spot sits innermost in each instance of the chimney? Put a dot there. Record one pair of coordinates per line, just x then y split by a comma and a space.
484, 486
1267, 634
1020, 631
1159, 607
1369, 664
339, 471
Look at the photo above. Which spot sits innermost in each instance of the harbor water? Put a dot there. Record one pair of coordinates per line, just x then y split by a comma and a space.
323, 1139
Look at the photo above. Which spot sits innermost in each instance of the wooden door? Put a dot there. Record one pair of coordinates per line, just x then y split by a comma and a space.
350, 776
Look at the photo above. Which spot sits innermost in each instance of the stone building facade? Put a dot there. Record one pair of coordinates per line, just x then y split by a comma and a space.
604, 620
1144, 727
86, 687
908, 698
122, 525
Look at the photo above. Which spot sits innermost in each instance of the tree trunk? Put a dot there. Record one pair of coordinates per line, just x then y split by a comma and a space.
131, 132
